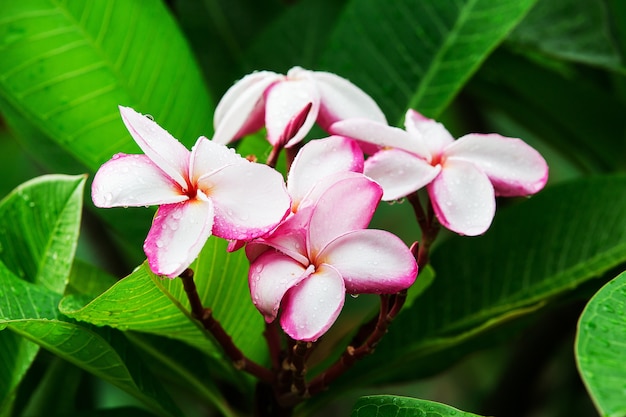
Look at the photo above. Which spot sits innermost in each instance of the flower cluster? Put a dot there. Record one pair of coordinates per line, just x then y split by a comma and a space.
307, 240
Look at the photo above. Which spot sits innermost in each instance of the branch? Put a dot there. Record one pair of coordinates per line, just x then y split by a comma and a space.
205, 316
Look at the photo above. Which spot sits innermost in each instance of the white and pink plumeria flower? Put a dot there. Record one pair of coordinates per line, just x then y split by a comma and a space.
289, 105
209, 190
305, 266
462, 176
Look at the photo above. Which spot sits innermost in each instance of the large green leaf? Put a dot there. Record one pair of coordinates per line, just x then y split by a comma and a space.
30, 311
297, 38
39, 224
409, 54
574, 30
534, 252
392, 406
601, 348
67, 65
148, 303
554, 103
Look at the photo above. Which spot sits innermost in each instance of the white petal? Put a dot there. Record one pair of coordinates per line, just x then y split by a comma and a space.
310, 308
347, 205
284, 102
381, 135
133, 180
319, 159
289, 238
434, 135
242, 104
250, 199
208, 156
161, 147
178, 233
371, 261
270, 276
514, 168
399, 173
463, 198
341, 99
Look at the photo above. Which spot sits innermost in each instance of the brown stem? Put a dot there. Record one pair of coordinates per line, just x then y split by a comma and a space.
205, 316
352, 353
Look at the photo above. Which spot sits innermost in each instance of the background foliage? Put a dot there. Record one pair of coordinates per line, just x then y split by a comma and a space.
494, 333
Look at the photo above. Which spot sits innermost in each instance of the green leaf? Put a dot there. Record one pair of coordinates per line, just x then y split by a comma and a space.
67, 66
561, 95
16, 357
86, 279
200, 375
601, 348
110, 412
534, 252
392, 406
30, 311
417, 55
140, 302
297, 38
39, 224
573, 30
148, 303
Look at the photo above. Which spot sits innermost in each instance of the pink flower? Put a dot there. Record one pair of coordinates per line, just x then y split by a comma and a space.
288, 105
210, 190
317, 160
306, 266
463, 177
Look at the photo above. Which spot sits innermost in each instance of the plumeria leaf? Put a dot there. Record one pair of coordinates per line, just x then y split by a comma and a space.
554, 28
187, 367
392, 406
140, 302
148, 303
67, 66
558, 96
87, 279
66, 73
308, 20
30, 311
601, 347
556, 256
439, 45
39, 223
110, 412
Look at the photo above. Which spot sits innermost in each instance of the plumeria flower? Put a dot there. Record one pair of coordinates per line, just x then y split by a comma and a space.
462, 177
288, 105
317, 160
210, 190
305, 267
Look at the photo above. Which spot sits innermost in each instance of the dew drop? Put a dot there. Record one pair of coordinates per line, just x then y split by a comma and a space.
159, 243
354, 295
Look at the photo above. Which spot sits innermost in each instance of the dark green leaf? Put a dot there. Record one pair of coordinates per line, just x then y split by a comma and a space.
601, 348
147, 303
67, 66
391, 406
31, 311
554, 103
296, 38
534, 252
574, 30
417, 55
39, 224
